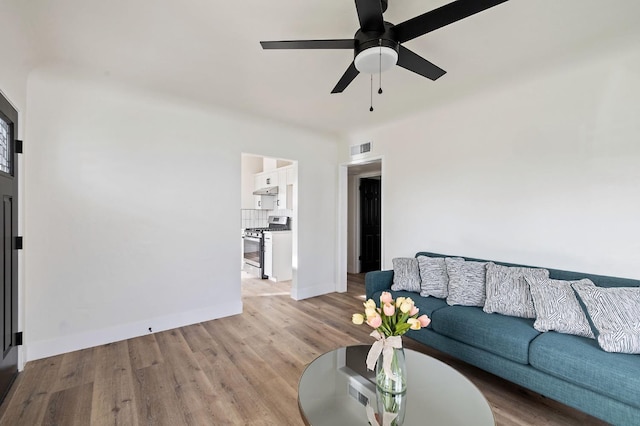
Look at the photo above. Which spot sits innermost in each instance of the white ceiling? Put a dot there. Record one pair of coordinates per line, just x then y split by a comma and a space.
209, 50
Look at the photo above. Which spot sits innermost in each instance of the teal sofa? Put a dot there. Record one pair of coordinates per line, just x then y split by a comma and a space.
570, 369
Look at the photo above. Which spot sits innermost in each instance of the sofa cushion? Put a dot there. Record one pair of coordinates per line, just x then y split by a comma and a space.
508, 292
557, 307
466, 282
580, 361
406, 275
614, 314
502, 335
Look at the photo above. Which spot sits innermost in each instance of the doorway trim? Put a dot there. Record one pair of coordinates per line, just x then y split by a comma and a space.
343, 217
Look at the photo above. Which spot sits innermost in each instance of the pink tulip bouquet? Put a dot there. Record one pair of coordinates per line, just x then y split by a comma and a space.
390, 321
393, 317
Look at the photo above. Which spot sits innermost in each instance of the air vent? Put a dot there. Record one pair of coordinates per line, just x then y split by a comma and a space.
363, 148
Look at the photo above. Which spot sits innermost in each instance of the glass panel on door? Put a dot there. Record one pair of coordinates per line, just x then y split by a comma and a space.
5, 146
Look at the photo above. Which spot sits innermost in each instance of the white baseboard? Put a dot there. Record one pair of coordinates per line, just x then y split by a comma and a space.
45, 348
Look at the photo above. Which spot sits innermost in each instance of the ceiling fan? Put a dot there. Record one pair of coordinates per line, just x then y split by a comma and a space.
377, 45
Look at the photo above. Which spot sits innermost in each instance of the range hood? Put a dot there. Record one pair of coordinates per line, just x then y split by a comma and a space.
270, 190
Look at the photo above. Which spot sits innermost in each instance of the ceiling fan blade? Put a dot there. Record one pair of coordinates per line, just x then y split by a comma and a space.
347, 78
347, 43
413, 62
440, 17
370, 15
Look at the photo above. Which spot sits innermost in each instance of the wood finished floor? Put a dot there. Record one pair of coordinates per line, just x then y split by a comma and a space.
240, 370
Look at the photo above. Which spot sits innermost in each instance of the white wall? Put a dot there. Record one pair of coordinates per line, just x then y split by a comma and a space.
15, 61
544, 171
132, 210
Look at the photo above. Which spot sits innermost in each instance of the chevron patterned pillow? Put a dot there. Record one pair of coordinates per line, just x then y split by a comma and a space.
557, 306
615, 314
508, 292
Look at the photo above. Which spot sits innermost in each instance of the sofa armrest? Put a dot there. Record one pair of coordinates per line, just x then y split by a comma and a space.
375, 281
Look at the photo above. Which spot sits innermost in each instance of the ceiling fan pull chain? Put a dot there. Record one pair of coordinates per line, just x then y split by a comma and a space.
371, 94
380, 65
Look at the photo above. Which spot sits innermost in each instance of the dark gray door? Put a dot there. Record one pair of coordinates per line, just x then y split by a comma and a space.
370, 221
9, 262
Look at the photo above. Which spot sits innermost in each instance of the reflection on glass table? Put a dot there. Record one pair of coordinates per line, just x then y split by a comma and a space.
389, 410
336, 388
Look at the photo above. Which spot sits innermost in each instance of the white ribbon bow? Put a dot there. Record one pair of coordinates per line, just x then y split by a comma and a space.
387, 418
385, 346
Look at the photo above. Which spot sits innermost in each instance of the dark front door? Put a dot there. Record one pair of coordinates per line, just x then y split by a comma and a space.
370, 220
9, 261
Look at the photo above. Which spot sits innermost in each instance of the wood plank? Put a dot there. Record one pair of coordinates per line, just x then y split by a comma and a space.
157, 402
71, 406
198, 401
239, 400
266, 383
144, 352
28, 403
197, 337
113, 401
77, 368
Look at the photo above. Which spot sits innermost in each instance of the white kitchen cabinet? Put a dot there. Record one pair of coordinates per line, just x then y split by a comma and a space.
266, 179
286, 179
268, 254
277, 255
262, 181
281, 200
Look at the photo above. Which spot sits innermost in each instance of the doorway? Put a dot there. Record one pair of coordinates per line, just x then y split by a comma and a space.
370, 223
361, 218
269, 206
9, 229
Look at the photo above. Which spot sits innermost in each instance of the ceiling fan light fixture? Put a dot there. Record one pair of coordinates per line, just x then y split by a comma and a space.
376, 59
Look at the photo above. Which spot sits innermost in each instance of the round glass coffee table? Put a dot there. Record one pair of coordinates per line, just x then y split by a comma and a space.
336, 387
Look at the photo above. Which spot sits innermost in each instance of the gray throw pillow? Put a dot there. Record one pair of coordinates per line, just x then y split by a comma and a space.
406, 275
434, 280
615, 314
466, 282
508, 292
557, 306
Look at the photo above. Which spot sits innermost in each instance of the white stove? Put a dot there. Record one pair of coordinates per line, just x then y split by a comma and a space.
253, 244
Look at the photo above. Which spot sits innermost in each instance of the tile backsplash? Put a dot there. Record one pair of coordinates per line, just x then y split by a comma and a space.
252, 218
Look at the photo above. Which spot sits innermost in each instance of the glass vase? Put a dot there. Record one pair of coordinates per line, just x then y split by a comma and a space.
397, 382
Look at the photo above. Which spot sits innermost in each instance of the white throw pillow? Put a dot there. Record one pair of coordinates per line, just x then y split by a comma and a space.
406, 275
434, 280
615, 314
557, 307
466, 282
508, 292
